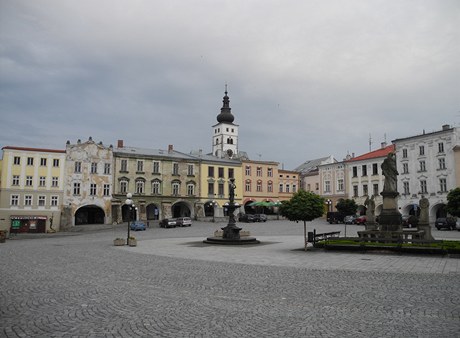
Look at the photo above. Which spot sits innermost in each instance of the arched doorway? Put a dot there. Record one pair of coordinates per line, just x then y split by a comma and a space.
209, 208
89, 214
153, 212
181, 209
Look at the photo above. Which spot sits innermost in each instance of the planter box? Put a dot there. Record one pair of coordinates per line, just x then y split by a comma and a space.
132, 242
119, 242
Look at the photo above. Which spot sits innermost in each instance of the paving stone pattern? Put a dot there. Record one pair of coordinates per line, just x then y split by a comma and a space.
80, 285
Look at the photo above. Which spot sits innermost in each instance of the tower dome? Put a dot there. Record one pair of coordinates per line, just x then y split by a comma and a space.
225, 115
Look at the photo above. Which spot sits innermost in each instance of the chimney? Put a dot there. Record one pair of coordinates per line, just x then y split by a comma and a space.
120, 144
383, 144
445, 127
170, 148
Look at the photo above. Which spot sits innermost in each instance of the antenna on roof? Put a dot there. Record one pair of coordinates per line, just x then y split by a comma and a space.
370, 141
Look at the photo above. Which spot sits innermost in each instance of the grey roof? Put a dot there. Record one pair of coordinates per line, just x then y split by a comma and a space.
311, 165
134, 151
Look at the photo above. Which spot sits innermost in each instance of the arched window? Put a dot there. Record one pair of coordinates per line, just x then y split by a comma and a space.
156, 187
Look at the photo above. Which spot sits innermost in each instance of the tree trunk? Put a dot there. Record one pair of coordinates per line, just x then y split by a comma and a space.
305, 234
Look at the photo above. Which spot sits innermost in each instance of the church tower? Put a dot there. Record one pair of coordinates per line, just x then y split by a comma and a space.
225, 132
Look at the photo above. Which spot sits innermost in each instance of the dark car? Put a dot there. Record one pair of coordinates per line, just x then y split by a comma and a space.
335, 217
361, 220
183, 221
350, 219
260, 218
168, 223
409, 221
445, 223
137, 226
248, 218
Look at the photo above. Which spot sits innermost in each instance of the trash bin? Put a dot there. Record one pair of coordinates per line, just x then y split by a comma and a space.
2, 236
310, 237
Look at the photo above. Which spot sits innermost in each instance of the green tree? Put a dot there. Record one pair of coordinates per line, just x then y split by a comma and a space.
347, 206
303, 206
453, 202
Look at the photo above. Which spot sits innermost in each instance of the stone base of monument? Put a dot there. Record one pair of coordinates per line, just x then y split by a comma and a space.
390, 220
231, 235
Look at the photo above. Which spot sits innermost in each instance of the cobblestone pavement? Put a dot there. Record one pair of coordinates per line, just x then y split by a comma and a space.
172, 285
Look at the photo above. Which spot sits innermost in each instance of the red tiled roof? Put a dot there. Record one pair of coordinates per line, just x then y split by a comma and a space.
382, 152
34, 149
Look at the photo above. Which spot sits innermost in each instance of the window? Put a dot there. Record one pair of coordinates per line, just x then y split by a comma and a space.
270, 172
210, 188
221, 172
281, 187
15, 180
259, 171
220, 189
404, 153
56, 162
54, 181
41, 201
355, 171
175, 169
406, 188
123, 186
288, 188
376, 189
175, 188
259, 186
43, 162
190, 189
210, 171
248, 170
14, 200
364, 170
340, 185
140, 186
28, 200
422, 166
327, 186
365, 190
421, 150
29, 181
78, 167
443, 184
405, 168
317, 186
247, 185
106, 190
92, 189
140, 166
442, 163
231, 173
54, 201
156, 187
94, 168
190, 170
156, 167
42, 181
30, 161
107, 168
355, 191
76, 188
16, 160
294, 188
270, 186
423, 189
441, 147
375, 169
124, 165
308, 187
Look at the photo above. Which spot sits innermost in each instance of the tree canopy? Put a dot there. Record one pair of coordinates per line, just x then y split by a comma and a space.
453, 202
347, 206
303, 206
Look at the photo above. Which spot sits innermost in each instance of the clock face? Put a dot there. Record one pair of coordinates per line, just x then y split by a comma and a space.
229, 152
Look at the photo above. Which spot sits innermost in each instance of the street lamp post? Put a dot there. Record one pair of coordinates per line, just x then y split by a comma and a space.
129, 203
214, 211
329, 205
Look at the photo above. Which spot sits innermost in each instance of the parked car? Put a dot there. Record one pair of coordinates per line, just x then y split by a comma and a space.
457, 224
260, 218
137, 226
409, 221
361, 220
334, 217
350, 219
248, 218
183, 221
445, 223
168, 223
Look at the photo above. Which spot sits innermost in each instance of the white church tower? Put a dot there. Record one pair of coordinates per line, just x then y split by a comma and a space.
225, 132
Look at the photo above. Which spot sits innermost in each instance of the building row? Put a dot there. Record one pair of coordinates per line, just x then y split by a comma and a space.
87, 182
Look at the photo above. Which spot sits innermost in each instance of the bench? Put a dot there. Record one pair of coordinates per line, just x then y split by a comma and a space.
313, 237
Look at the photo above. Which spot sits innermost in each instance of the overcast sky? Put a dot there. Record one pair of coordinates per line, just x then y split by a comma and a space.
306, 79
